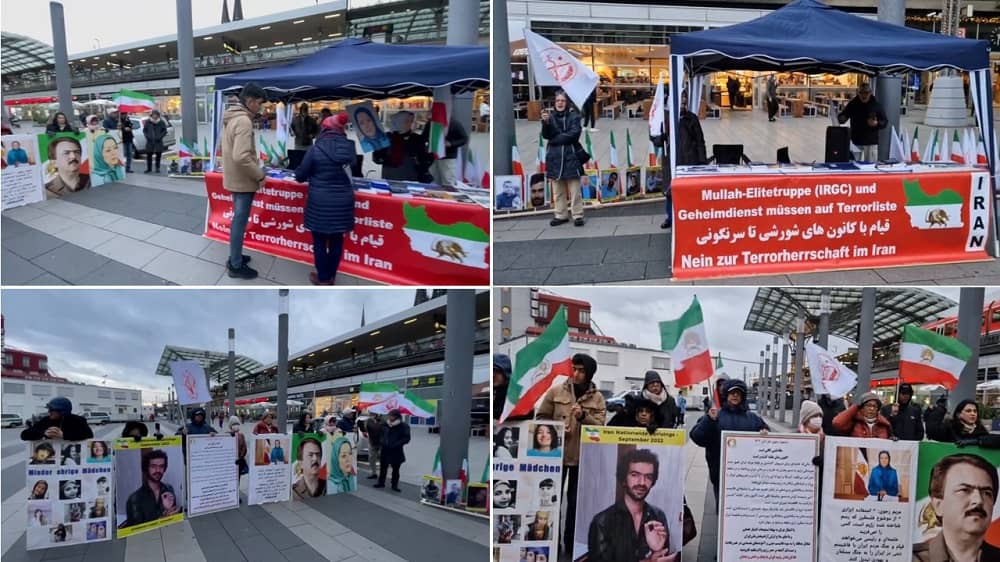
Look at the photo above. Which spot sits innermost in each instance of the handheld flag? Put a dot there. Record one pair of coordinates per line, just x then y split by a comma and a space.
538, 366
553, 66
656, 114
829, 376
130, 101
926, 357
685, 339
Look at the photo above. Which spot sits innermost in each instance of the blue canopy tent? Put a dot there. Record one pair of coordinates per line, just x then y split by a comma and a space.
811, 37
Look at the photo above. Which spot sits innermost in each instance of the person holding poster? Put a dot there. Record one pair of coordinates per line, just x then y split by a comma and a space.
963, 492
309, 467
343, 472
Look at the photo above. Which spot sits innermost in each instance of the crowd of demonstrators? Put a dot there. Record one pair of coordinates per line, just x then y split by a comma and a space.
394, 438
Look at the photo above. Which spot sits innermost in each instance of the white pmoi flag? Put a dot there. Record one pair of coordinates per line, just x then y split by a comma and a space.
656, 114
896, 149
553, 66
829, 376
190, 382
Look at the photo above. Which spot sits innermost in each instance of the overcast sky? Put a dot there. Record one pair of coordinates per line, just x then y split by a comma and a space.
632, 315
89, 333
114, 22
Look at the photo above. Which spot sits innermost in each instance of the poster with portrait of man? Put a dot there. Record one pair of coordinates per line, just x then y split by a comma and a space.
955, 505
538, 193
624, 469
149, 485
62, 509
868, 489
508, 193
21, 172
654, 180
65, 161
431, 491
610, 185
526, 489
270, 478
478, 500
367, 127
633, 182
310, 452
589, 182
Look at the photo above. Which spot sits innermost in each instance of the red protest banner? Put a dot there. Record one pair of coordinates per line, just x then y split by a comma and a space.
396, 240
773, 224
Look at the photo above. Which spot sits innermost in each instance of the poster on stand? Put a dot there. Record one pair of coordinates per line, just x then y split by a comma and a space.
343, 467
611, 185
107, 161
368, 127
65, 163
309, 465
21, 173
868, 493
478, 501
956, 498
149, 484
526, 503
509, 193
270, 469
768, 496
538, 196
213, 476
431, 490
617, 463
589, 182
69, 493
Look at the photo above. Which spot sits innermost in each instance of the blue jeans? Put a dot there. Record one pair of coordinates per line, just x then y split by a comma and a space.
327, 250
242, 202
129, 149
668, 197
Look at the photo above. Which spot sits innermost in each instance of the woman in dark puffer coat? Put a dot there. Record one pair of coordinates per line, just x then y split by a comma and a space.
330, 203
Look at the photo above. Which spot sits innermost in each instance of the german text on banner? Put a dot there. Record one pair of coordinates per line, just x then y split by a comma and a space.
868, 493
213, 476
69, 493
732, 225
956, 502
651, 478
768, 497
149, 484
269, 458
527, 489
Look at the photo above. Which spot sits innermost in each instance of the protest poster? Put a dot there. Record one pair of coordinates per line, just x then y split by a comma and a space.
768, 497
107, 161
309, 468
69, 494
955, 505
588, 185
610, 186
431, 490
213, 477
65, 163
633, 182
343, 467
368, 127
149, 484
21, 172
270, 471
654, 180
538, 195
479, 493
452, 493
190, 382
527, 479
626, 465
867, 506
509, 193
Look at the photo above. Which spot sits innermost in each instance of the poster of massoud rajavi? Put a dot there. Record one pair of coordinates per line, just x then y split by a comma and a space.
310, 452
955, 505
65, 160
624, 468
526, 490
149, 484
21, 175
69, 493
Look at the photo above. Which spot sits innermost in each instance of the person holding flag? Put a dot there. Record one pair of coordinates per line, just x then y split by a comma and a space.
561, 128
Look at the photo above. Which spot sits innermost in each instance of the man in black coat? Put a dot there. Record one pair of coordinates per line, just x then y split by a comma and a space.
396, 435
905, 416
690, 150
61, 424
867, 118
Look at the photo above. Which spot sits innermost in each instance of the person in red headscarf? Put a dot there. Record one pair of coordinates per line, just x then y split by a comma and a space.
330, 200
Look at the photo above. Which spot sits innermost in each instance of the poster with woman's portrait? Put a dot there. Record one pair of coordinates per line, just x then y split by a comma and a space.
588, 185
611, 185
633, 182
368, 127
21, 173
60, 504
149, 484
270, 477
343, 467
107, 162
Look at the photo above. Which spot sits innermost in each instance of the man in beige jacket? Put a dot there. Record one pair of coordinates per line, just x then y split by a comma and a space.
576, 403
241, 172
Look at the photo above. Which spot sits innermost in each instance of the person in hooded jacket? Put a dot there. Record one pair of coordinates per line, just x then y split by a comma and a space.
330, 202
576, 403
905, 416
61, 423
501, 380
863, 419
197, 425
655, 391
735, 415
639, 411
561, 128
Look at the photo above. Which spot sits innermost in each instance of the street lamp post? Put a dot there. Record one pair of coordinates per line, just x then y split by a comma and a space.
231, 387
282, 360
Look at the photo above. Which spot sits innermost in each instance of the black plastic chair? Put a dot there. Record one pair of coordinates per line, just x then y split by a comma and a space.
728, 154
783, 157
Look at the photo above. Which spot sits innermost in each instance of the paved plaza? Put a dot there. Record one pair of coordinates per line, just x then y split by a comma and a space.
623, 243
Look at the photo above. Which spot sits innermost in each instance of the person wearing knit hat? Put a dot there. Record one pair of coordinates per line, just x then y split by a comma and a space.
653, 389
863, 419
810, 418
905, 415
330, 201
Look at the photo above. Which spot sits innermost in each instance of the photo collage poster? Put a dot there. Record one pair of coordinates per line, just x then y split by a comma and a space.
270, 477
628, 462
768, 495
69, 493
149, 484
213, 476
868, 493
526, 488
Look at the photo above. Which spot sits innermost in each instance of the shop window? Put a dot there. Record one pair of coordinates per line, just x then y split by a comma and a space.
65, 391
607, 358
661, 363
41, 390
106, 394
13, 388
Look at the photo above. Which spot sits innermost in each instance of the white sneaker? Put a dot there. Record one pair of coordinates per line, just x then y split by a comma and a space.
594, 130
